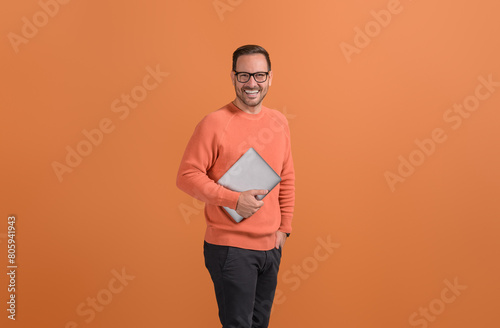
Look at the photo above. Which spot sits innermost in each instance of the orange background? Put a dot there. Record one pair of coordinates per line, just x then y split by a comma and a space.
350, 122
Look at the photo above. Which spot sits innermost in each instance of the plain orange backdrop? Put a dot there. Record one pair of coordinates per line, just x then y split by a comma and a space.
353, 118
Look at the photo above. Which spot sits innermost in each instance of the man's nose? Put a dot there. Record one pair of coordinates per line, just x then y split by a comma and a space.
251, 83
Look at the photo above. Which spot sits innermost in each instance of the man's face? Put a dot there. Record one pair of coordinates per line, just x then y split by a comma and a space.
251, 93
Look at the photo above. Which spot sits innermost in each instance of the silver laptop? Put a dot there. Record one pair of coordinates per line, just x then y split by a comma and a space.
250, 171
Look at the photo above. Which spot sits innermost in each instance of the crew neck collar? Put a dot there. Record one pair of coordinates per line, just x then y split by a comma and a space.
247, 115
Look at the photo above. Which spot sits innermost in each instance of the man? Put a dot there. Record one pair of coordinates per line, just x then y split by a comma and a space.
242, 258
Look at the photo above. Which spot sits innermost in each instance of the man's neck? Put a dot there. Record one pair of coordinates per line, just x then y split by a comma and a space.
247, 109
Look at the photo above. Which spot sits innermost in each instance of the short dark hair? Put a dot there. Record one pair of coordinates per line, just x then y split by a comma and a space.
250, 49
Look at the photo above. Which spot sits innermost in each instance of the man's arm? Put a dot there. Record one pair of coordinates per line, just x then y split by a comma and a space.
199, 156
287, 187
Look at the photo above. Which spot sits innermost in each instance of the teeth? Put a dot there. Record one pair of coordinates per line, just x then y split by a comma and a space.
254, 91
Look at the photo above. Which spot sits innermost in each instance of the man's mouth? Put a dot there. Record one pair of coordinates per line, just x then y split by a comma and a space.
251, 93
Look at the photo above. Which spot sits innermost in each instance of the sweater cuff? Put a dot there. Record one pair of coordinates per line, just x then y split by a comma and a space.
286, 225
229, 198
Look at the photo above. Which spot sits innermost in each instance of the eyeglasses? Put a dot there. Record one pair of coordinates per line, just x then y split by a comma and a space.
244, 77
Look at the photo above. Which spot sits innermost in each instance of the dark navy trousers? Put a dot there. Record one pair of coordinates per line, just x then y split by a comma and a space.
244, 281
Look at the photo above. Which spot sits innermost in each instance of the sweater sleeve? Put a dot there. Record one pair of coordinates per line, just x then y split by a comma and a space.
287, 186
199, 156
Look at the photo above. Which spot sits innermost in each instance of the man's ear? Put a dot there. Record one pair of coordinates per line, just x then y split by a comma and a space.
270, 77
233, 77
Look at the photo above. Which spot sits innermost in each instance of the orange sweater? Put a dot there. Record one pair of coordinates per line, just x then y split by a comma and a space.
217, 143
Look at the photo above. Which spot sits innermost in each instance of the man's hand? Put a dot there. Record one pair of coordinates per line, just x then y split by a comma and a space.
247, 203
280, 239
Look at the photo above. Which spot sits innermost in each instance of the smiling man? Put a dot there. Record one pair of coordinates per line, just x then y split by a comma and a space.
242, 258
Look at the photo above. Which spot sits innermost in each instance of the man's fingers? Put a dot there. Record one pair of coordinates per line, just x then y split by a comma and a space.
255, 192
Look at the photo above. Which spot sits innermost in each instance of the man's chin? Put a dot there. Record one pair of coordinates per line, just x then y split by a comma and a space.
252, 102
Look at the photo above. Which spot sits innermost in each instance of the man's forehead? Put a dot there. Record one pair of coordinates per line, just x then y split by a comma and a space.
257, 61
